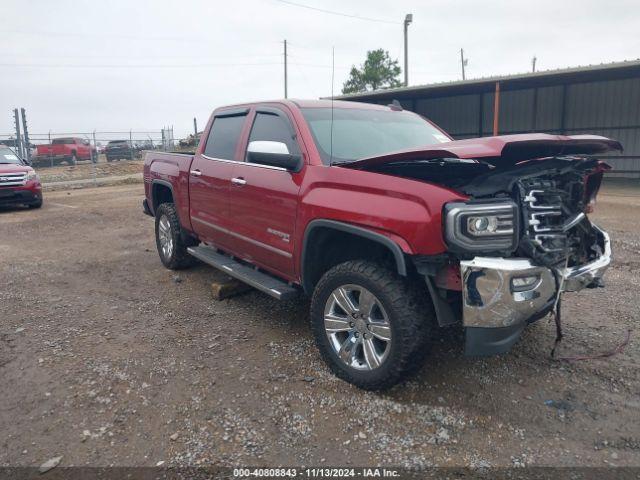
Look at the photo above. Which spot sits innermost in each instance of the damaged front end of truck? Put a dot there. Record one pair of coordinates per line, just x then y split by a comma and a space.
520, 239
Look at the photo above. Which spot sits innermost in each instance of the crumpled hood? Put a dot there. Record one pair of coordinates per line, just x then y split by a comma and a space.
500, 151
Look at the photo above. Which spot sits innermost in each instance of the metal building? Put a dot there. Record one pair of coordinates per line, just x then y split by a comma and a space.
602, 100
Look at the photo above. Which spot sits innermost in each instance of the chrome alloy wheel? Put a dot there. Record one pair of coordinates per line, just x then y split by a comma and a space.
165, 237
357, 327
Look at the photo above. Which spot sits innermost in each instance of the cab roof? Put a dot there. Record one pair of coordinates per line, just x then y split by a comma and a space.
301, 103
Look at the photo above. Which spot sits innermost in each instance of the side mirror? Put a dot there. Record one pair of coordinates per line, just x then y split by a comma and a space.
275, 154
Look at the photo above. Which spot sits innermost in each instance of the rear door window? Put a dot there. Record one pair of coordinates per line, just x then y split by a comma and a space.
224, 137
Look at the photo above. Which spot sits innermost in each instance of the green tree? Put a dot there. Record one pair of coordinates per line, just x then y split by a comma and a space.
378, 71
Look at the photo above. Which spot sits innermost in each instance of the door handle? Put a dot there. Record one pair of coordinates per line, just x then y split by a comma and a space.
238, 181
196, 172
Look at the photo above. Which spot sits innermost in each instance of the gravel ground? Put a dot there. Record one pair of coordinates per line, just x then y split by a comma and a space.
87, 170
106, 358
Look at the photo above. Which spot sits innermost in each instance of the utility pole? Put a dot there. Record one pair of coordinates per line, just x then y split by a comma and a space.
463, 63
285, 69
27, 146
195, 132
18, 142
407, 20
533, 64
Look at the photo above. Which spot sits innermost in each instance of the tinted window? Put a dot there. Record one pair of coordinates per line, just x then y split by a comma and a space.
274, 128
361, 133
62, 141
224, 136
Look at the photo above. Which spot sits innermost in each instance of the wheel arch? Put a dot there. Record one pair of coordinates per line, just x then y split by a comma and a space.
313, 265
161, 191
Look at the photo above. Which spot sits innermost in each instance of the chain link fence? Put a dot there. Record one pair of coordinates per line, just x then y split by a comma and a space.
55, 148
74, 159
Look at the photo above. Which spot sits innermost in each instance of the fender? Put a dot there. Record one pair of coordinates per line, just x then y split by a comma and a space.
185, 233
164, 183
395, 249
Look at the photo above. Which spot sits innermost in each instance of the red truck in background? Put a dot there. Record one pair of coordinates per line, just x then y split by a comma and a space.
19, 183
387, 223
69, 149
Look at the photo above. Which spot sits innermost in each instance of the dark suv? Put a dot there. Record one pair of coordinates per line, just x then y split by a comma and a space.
119, 150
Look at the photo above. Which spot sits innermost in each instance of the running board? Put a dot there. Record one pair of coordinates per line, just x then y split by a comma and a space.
257, 279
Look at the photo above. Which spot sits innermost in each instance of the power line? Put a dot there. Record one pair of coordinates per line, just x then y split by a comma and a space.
145, 57
80, 34
332, 12
131, 65
306, 64
183, 65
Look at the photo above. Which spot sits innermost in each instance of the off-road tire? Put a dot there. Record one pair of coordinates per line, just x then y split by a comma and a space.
411, 317
179, 257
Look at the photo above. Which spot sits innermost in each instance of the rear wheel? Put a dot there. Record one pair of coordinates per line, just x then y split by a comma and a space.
171, 244
371, 326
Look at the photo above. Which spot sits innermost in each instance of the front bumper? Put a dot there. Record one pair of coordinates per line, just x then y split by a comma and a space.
501, 296
20, 196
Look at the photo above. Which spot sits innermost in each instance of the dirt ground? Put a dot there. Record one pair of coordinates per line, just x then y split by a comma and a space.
87, 170
106, 358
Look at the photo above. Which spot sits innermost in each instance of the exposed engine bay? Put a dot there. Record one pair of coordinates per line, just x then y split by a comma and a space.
553, 196
520, 239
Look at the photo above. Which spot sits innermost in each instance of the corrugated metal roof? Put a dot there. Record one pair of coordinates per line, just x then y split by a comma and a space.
487, 81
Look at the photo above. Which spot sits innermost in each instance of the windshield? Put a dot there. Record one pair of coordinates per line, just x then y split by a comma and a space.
8, 156
362, 133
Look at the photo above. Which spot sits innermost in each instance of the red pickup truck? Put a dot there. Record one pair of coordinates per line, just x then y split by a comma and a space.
68, 150
387, 223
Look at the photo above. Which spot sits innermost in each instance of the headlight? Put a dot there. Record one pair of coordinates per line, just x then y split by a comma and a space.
32, 175
481, 227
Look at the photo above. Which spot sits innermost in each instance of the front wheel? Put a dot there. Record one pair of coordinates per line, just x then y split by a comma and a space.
172, 246
371, 326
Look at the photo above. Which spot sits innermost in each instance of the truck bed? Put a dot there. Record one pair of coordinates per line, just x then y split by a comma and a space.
170, 170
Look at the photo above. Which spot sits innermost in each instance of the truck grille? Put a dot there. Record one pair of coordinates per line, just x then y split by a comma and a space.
545, 220
555, 230
13, 179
